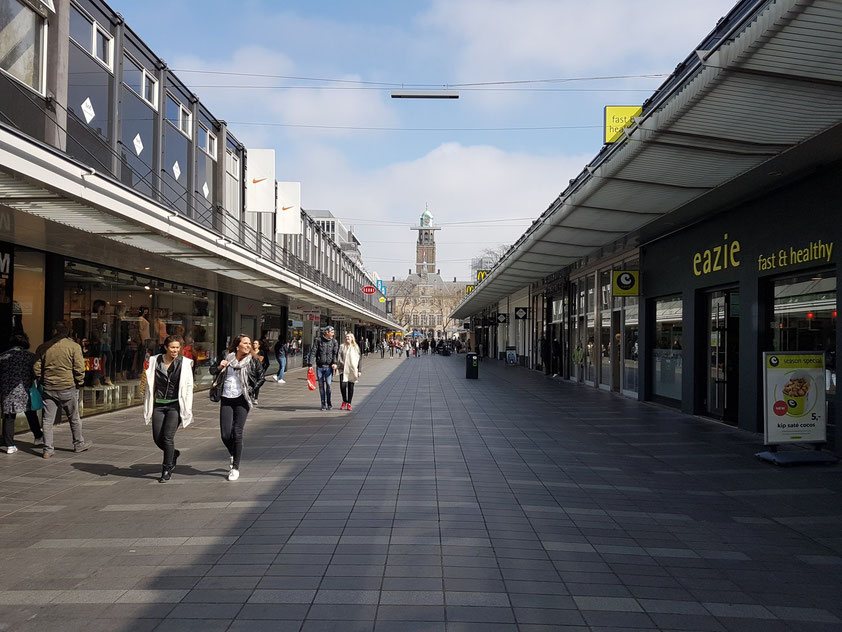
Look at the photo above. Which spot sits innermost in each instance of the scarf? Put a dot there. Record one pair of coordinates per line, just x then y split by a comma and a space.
241, 367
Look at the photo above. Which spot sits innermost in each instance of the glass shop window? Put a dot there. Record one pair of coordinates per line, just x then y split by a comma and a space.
805, 318
667, 353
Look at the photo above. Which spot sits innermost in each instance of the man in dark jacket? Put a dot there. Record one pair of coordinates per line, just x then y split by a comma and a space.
323, 354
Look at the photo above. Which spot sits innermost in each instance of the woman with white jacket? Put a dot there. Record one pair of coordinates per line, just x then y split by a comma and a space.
168, 399
349, 368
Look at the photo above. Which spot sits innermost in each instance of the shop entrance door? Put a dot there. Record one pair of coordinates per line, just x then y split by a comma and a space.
723, 367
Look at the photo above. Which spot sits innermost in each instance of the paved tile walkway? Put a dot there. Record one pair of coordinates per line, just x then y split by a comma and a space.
513, 502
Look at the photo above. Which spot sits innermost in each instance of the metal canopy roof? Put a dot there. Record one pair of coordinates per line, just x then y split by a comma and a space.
768, 79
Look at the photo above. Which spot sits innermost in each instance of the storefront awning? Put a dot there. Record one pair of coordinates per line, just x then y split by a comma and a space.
40, 182
768, 81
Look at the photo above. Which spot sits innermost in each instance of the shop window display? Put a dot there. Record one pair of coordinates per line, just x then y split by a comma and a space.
805, 318
120, 319
667, 356
631, 335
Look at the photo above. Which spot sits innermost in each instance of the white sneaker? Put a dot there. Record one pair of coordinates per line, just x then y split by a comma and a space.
282, 382
233, 475
11, 449
273, 377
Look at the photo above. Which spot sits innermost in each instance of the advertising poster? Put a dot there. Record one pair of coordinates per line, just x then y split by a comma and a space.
794, 397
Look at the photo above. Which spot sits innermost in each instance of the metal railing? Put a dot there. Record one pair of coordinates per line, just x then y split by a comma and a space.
95, 151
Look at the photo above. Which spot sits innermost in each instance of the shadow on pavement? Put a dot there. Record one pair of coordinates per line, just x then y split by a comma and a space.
143, 470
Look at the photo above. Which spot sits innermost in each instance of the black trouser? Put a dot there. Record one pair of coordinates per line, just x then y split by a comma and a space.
165, 420
232, 420
347, 389
9, 426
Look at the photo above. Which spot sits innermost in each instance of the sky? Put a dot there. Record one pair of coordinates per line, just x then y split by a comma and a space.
312, 81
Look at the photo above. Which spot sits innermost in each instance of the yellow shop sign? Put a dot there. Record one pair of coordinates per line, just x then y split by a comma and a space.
719, 257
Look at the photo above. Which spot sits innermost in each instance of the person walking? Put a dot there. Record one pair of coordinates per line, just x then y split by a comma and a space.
61, 368
349, 368
406, 347
16, 378
382, 349
281, 350
243, 376
168, 399
260, 348
323, 353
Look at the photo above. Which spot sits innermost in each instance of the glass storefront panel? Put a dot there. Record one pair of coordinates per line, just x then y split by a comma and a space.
591, 351
605, 328
631, 336
120, 319
804, 318
28, 306
667, 348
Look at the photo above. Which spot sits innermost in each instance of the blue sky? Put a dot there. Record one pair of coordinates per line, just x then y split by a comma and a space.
466, 159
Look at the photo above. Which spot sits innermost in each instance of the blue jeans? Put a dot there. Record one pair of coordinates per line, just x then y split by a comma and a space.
282, 361
324, 374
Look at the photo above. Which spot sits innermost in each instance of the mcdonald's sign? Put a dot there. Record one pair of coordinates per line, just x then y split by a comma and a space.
469, 289
481, 274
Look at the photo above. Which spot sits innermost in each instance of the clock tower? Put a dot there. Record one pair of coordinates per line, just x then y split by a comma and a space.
425, 248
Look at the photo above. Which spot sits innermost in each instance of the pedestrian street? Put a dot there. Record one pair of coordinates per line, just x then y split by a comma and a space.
515, 502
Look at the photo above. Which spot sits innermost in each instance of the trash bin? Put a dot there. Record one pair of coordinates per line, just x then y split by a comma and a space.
471, 366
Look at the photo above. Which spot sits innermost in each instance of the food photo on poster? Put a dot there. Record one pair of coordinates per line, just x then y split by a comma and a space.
794, 407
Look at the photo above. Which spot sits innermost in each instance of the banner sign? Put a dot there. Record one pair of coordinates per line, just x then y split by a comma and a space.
288, 208
618, 117
260, 181
794, 408
469, 289
625, 283
481, 274
521, 313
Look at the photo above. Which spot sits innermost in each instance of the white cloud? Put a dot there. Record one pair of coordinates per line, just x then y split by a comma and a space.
239, 101
460, 184
500, 39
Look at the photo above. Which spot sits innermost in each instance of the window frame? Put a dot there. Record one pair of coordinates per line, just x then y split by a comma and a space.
91, 46
41, 90
210, 144
146, 76
184, 115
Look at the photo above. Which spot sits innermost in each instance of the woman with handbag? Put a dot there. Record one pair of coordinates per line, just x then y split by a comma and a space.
349, 368
168, 399
18, 392
237, 379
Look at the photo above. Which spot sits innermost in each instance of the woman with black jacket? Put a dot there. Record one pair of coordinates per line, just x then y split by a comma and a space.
168, 399
261, 350
243, 377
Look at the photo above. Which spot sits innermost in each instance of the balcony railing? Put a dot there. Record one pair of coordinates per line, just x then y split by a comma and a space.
31, 115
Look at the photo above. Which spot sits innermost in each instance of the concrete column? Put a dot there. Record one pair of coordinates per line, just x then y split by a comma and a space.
114, 101
58, 53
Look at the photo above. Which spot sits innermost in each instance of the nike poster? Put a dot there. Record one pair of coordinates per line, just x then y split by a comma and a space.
288, 208
260, 181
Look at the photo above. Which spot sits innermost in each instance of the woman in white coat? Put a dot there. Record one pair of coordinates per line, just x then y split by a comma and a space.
349, 368
168, 399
